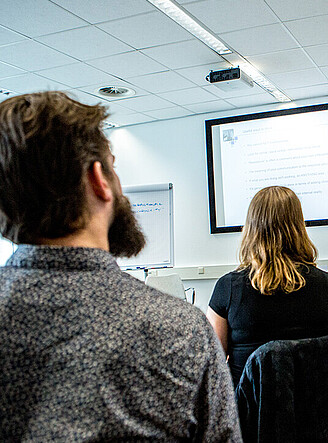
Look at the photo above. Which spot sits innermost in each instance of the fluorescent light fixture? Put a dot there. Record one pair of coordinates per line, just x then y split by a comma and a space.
262, 81
177, 13
191, 24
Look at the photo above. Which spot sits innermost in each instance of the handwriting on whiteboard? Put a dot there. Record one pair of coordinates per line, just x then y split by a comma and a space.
147, 207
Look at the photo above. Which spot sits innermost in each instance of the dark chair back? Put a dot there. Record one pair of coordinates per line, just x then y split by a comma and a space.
282, 395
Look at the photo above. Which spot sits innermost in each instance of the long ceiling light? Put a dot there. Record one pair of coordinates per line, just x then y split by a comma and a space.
177, 13
262, 81
191, 24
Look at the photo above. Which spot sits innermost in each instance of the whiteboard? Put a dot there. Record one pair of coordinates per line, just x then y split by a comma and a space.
153, 207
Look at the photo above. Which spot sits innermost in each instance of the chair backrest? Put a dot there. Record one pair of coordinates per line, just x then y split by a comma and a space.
283, 392
169, 284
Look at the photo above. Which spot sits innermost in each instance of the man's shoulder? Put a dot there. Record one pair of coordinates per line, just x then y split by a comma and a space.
140, 292
153, 305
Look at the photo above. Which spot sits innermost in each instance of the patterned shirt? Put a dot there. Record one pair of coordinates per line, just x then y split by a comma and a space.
90, 354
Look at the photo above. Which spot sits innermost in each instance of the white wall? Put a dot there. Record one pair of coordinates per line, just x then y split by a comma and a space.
175, 151
6, 249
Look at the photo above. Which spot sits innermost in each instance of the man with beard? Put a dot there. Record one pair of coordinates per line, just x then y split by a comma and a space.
88, 353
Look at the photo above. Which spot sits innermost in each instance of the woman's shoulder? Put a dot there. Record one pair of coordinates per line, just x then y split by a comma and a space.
235, 277
313, 272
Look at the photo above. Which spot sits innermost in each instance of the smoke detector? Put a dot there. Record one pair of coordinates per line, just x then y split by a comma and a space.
115, 92
5, 93
109, 125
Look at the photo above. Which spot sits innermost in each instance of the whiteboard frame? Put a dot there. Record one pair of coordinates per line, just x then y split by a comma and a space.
153, 188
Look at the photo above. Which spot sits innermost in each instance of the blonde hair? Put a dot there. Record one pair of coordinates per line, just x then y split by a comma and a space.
275, 242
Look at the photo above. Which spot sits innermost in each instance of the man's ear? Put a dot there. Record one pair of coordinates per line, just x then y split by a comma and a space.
99, 182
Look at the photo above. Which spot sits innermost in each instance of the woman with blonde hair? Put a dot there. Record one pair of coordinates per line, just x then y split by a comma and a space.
277, 292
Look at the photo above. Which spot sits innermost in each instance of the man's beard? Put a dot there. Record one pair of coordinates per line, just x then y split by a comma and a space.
125, 235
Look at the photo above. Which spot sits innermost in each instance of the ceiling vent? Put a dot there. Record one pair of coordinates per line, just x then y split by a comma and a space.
115, 92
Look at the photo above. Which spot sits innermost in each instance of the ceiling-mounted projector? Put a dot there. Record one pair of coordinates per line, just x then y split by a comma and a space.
230, 79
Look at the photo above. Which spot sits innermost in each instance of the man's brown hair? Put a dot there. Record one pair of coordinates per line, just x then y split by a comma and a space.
47, 143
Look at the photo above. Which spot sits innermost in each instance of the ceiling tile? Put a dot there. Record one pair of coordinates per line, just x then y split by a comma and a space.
86, 98
36, 17
294, 9
9, 71
319, 54
298, 79
216, 105
254, 100
89, 99
77, 75
131, 119
231, 15
115, 108
188, 96
233, 58
161, 82
49, 37
173, 112
7, 36
310, 31
159, 30
4, 97
146, 103
85, 43
102, 10
183, 2
282, 61
197, 74
226, 94
30, 83
32, 56
184, 54
308, 92
127, 65
259, 40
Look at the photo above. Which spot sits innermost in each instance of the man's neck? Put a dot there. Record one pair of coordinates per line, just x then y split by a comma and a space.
80, 239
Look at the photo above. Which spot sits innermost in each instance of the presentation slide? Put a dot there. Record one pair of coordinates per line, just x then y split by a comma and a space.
287, 150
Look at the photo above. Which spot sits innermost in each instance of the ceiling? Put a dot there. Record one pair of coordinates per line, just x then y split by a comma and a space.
81, 45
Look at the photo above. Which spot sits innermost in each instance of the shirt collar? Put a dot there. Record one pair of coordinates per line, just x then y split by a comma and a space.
62, 257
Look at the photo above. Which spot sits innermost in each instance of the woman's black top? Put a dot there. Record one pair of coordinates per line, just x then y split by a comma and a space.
254, 318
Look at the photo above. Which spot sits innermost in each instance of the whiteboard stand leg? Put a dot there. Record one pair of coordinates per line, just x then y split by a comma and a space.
145, 273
